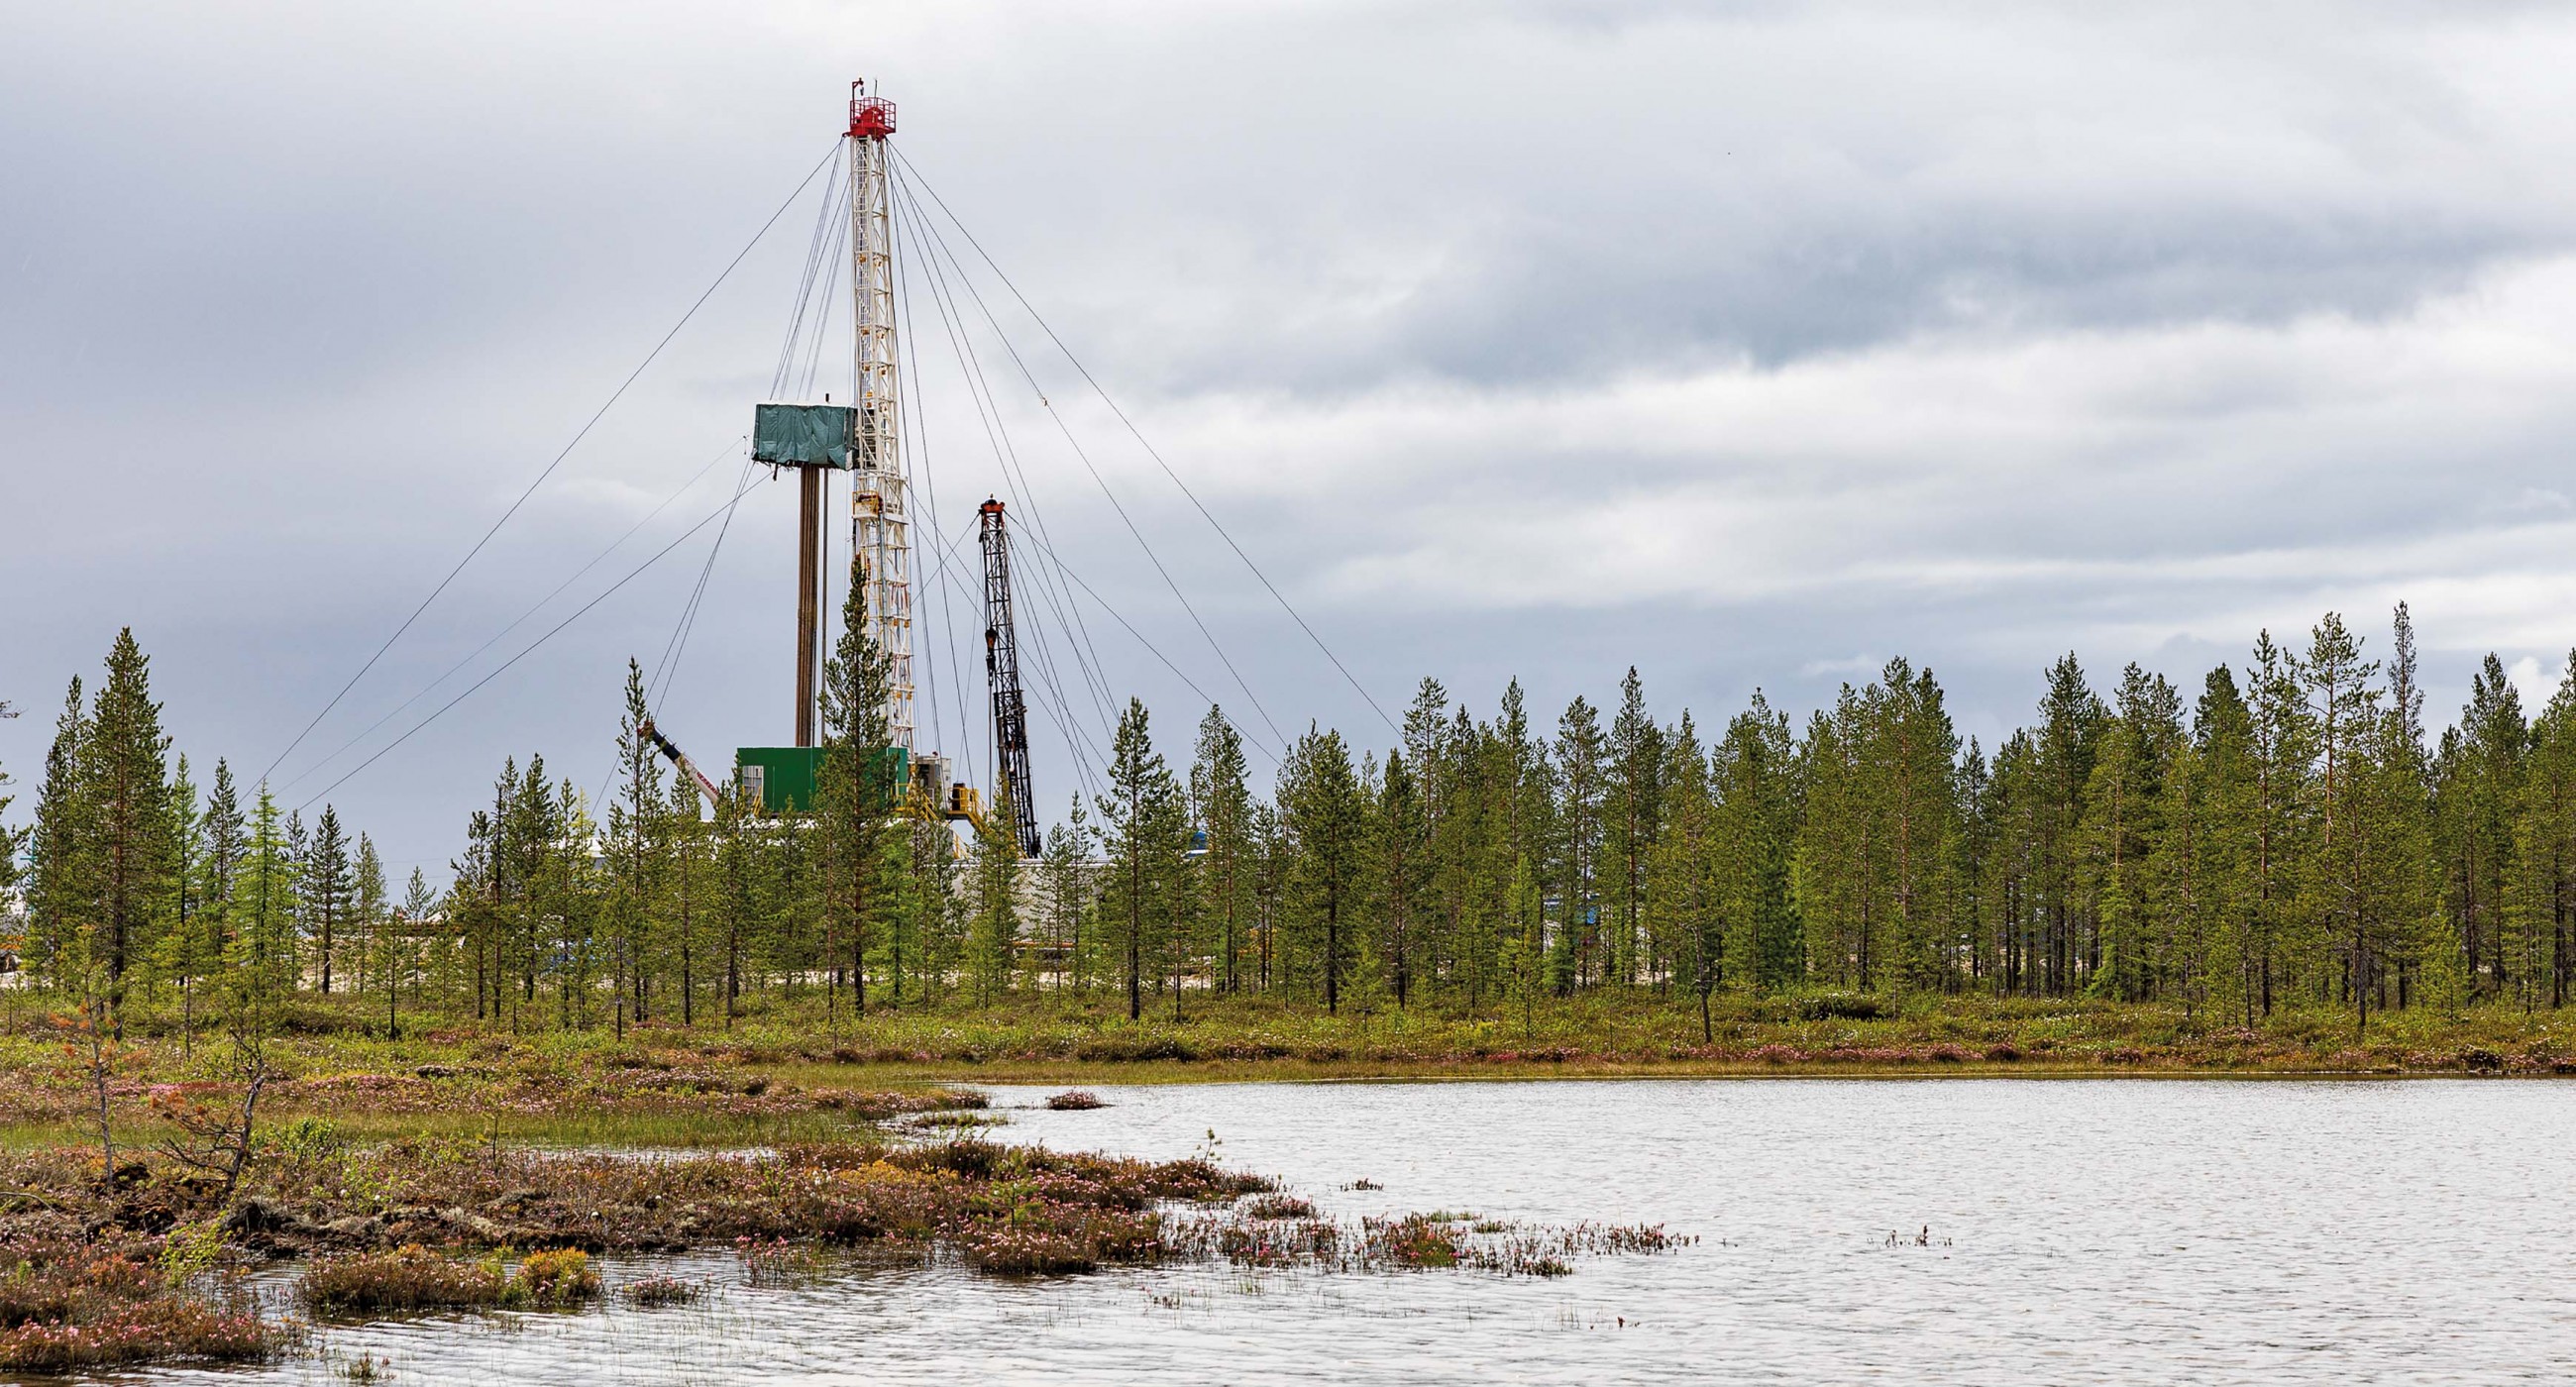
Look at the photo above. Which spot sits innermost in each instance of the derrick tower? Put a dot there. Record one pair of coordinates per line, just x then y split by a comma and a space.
880, 489
1002, 674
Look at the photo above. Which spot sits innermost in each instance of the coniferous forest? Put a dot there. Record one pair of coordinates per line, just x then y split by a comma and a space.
2280, 834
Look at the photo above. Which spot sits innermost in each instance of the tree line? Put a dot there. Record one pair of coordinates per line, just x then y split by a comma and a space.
2286, 835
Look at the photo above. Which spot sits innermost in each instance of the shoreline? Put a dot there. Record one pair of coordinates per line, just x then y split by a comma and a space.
1181, 1072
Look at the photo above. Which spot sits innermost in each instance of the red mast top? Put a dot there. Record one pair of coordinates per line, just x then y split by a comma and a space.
871, 117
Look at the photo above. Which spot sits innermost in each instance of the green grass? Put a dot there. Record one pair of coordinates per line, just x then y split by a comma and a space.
792, 1072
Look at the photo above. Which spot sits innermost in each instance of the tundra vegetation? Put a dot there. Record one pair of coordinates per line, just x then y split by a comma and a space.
2284, 870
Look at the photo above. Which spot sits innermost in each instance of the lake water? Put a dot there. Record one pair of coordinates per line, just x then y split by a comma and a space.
2121, 1231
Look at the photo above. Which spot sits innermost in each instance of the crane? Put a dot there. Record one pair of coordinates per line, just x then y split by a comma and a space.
1002, 673
680, 759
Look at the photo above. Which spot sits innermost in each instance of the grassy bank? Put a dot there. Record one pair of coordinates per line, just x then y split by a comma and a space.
787, 1073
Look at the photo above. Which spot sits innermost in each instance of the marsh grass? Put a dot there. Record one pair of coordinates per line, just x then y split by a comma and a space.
65, 1308
660, 1292
413, 1277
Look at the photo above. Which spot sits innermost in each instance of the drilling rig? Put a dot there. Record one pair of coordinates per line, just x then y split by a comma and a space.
863, 438
1002, 677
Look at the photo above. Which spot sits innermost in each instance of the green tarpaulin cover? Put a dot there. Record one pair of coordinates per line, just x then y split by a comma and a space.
802, 435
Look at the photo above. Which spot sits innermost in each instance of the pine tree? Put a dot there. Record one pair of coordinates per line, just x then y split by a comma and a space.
1835, 861
174, 957
399, 944
2405, 874
2200, 851
369, 914
1065, 884
1402, 831
2123, 815
1633, 818
1324, 811
2541, 886
264, 903
691, 864
327, 889
1756, 832
10, 838
2064, 747
219, 863
636, 820
732, 909
1582, 789
994, 936
2343, 707
2479, 774
2277, 823
126, 812
1140, 787
1224, 806
61, 889
1524, 942
1684, 890
857, 785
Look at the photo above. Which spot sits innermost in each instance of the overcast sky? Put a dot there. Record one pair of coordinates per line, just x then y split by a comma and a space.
1749, 344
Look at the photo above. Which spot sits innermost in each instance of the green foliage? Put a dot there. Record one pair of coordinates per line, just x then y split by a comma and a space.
2292, 842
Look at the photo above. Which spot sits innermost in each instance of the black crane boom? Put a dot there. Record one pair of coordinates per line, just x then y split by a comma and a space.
1002, 672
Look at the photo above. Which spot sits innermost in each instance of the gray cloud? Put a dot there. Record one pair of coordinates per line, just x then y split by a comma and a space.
1749, 344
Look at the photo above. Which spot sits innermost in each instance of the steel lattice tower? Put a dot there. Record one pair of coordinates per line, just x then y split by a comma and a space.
880, 490
1002, 673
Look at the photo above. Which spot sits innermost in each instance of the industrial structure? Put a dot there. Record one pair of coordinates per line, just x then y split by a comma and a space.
1002, 677
864, 439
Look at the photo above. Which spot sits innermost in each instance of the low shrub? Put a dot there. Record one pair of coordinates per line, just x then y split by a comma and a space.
655, 1292
141, 1331
1414, 1240
562, 1277
1075, 1100
1271, 1206
408, 1278
414, 1278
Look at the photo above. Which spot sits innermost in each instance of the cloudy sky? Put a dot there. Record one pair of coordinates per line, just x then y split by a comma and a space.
1748, 344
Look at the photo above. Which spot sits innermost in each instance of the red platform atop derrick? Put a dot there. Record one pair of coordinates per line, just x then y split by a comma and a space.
871, 117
